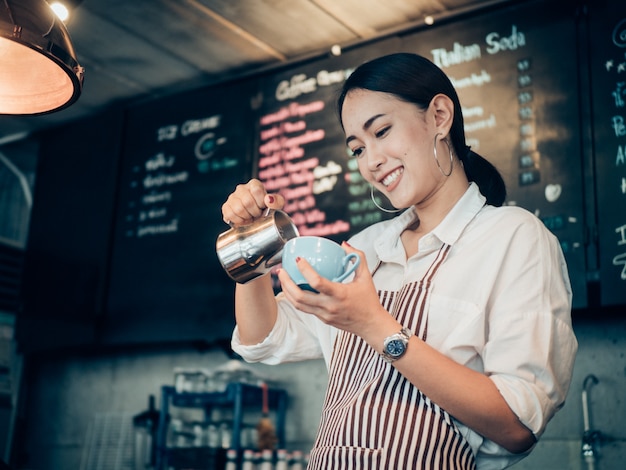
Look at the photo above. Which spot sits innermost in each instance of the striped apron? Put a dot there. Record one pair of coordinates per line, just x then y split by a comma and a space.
375, 419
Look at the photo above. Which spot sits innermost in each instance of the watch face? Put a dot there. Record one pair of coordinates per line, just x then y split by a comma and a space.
395, 347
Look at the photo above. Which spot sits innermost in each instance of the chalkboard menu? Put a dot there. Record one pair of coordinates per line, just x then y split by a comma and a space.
514, 71
301, 149
607, 32
182, 157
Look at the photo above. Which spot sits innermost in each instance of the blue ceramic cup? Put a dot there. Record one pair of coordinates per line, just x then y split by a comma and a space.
328, 258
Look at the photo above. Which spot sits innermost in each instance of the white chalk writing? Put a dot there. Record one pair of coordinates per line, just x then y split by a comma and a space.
154, 197
618, 125
158, 229
154, 213
508, 43
163, 179
159, 161
621, 231
188, 127
300, 84
488, 123
473, 80
167, 133
620, 260
618, 94
619, 34
194, 126
458, 55
473, 111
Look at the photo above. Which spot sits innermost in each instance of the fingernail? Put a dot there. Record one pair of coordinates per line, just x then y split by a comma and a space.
270, 199
298, 259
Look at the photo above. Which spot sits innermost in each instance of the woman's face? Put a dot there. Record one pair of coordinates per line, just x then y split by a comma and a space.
393, 143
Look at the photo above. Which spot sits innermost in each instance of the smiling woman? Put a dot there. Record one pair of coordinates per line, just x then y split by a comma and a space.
429, 344
401, 76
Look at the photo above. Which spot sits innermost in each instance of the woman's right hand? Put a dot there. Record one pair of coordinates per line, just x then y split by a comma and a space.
248, 202
255, 305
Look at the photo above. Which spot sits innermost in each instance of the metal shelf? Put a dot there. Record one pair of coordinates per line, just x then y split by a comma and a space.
237, 396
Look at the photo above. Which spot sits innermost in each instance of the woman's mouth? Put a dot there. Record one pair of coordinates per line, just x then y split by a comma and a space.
392, 177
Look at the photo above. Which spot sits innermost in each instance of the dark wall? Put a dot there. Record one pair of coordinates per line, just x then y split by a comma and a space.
69, 236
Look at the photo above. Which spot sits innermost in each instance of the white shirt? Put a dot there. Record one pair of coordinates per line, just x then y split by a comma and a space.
500, 305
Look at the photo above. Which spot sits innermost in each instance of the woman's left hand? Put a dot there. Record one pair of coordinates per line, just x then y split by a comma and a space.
351, 306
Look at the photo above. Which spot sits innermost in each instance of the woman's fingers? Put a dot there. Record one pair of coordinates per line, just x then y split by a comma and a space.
363, 262
248, 202
274, 201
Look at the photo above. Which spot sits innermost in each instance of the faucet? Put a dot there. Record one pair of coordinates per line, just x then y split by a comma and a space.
589, 436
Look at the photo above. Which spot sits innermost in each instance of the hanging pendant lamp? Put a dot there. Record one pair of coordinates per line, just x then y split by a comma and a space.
39, 73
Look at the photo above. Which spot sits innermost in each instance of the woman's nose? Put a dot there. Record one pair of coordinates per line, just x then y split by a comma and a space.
375, 159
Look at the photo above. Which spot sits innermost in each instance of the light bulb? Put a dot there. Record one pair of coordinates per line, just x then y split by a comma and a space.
60, 10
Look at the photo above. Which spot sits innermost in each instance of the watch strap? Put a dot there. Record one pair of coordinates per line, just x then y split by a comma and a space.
403, 336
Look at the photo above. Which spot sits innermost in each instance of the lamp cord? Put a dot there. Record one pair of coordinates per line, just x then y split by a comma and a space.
8, 8
54, 18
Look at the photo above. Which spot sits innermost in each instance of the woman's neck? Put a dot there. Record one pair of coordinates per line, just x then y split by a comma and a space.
433, 210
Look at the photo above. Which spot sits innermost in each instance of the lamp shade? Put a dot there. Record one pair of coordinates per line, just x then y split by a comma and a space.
39, 72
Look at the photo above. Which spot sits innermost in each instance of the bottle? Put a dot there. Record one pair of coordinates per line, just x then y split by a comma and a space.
248, 460
145, 425
226, 434
231, 459
267, 460
281, 460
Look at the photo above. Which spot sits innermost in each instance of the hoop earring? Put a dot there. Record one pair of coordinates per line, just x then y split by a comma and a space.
388, 211
437, 159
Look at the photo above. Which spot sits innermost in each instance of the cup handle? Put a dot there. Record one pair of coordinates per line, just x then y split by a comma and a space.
350, 262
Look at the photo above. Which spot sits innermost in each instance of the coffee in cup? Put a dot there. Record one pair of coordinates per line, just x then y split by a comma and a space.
327, 257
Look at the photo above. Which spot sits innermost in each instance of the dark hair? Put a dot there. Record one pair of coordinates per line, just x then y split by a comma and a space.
415, 79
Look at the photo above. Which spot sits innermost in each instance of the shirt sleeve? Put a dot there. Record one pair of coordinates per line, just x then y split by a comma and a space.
296, 336
531, 346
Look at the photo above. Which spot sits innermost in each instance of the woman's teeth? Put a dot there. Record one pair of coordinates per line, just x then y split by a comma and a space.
391, 177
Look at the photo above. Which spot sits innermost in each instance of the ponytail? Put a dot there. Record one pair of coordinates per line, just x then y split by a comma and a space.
486, 176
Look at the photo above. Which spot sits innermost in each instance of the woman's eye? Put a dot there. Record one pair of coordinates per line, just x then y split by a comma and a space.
382, 131
357, 152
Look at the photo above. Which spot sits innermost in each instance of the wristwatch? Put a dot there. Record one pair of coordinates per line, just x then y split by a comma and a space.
395, 345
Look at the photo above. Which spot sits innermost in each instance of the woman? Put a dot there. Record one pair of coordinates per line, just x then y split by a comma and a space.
452, 347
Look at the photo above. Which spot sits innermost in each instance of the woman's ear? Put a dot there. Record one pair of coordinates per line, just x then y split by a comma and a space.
443, 110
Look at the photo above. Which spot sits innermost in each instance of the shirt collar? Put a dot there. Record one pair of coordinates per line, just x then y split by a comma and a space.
389, 246
453, 224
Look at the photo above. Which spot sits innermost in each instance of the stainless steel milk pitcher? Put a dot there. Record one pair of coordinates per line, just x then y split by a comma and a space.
249, 251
